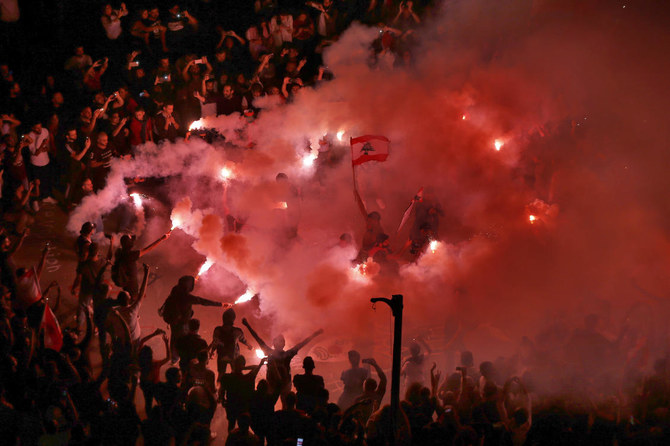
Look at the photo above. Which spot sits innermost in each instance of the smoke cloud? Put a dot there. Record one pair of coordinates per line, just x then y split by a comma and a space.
575, 99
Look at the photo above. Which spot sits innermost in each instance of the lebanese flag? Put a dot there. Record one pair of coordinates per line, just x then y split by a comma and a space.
53, 337
369, 148
28, 289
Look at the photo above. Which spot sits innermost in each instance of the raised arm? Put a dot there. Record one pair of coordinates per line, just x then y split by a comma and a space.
143, 287
258, 339
152, 245
255, 370
307, 340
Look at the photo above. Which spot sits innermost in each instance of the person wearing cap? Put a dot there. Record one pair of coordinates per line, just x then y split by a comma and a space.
308, 386
83, 242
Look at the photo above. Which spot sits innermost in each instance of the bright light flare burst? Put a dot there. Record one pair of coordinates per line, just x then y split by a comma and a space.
498, 144
281, 205
137, 200
246, 297
196, 125
176, 222
434, 244
532, 219
260, 354
225, 173
340, 135
360, 272
308, 160
205, 267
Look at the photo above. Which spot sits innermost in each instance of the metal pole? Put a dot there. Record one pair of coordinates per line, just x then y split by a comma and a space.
396, 305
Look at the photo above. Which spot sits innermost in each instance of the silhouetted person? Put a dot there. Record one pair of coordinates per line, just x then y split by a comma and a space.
279, 360
177, 309
226, 341
124, 270
373, 393
353, 379
237, 389
308, 386
262, 407
189, 345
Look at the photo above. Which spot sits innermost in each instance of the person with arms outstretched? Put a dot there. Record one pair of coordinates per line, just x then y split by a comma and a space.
279, 360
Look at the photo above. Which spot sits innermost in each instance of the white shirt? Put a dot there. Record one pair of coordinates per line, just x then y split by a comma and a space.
41, 159
112, 26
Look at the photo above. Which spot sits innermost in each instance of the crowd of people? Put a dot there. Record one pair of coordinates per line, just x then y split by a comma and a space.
157, 68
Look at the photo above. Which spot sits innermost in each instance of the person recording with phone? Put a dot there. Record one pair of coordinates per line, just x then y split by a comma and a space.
165, 124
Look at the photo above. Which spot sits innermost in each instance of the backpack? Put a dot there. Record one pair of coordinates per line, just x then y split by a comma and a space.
169, 311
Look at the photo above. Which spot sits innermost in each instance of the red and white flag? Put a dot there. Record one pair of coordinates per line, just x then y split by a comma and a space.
53, 337
369, 148
28, 289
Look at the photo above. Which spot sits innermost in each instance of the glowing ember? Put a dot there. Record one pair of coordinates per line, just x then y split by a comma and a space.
226, 173
532, 218
205, 267
137, 200
498, 144
340, 135
176, 222
260, 354
281, 205
433, 246
463, 117
196, 125
360, 271
246, 297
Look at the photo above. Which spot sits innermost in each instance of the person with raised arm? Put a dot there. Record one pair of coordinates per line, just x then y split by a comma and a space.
279, 360
124, 269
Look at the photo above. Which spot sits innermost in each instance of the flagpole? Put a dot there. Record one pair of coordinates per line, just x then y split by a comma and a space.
357, 195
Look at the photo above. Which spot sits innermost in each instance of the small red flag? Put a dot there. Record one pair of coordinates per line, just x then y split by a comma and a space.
53, 337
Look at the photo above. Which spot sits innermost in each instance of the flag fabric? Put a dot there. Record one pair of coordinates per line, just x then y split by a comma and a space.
53, 337
369, 148
28, 289
418, 198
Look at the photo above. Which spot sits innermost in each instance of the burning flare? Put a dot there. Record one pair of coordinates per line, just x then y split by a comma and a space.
434, 244
196, 125
176, 222
281, 205
205, 267
532, 219
260, 354
137, 200
498, 143
246, 297
340, 135
225, 173
308, 160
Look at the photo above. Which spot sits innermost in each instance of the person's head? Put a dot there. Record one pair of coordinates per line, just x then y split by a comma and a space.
123, 298
36, 128
87, 185
86, 113
466, 359
354, 358
99, 98
145, 357
164, 63
256, 90
15, 89
139, 113
193, 326
228, 317
244, 421
374, 218
79, 51
187, 283
173, 376
308, 364
238, 363
289, 401
279, 343
107, 9
87, 229
57, 99
414, 348
144, 13
201, 357
168, 108
262, 386
221, 54
114, 118
228, 91
127, 242
174, 9
370, 385
154, 13
102, 140
71, 134
487, 370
